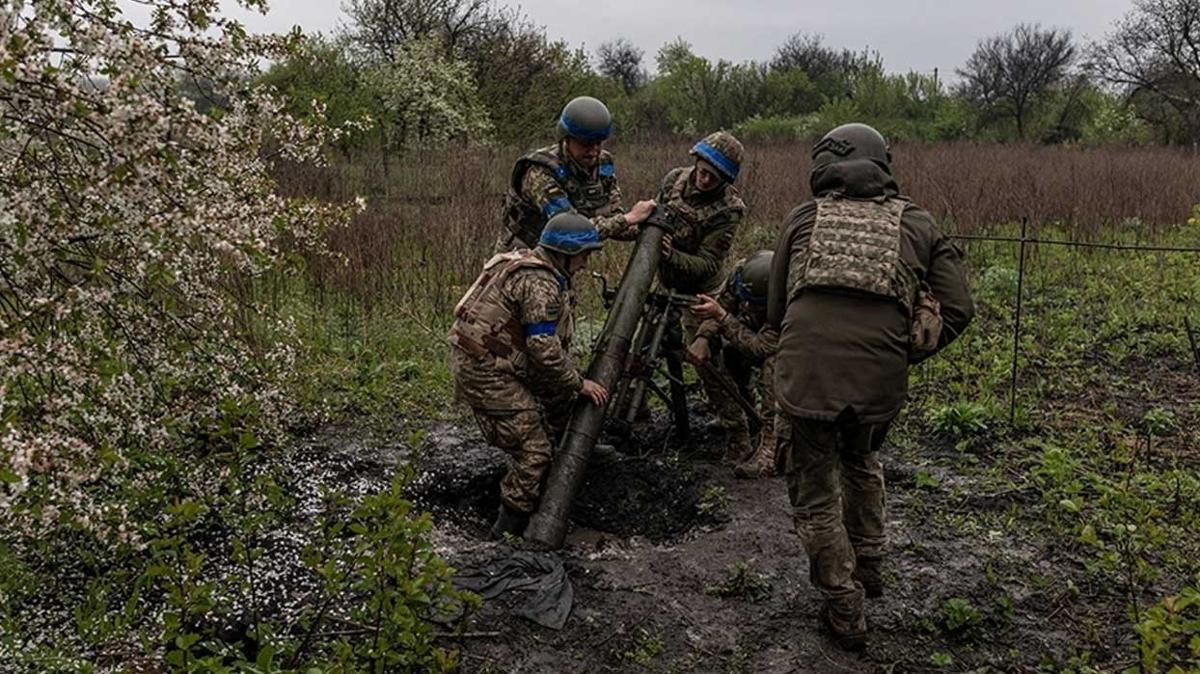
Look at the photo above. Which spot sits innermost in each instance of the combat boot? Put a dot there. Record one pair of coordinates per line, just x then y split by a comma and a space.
847, 634
867, 573
739, 447
509, 521
762, 462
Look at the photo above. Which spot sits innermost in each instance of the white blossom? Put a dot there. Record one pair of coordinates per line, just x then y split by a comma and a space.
131, 227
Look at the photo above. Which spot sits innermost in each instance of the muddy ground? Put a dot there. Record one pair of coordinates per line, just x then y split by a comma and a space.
679, 567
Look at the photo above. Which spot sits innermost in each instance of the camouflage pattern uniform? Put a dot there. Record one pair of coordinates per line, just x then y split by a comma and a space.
512, 365
548, 181
843, 288
746, 342
705, 226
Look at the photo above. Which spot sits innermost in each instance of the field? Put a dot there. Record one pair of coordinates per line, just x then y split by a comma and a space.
1058, 535
1063, 541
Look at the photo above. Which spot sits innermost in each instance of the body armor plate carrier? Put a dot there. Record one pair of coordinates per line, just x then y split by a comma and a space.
483, 323
590, 198
690, 217
855, 245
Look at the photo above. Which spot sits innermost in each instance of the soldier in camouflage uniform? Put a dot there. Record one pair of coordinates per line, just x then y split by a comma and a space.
735, 327
862, 285
575, 175
511, 357
705, 209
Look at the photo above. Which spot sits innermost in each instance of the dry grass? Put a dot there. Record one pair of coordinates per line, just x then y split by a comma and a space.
433, 215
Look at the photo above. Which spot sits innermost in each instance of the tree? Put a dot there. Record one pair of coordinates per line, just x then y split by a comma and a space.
379, 26
701, 96
674, 55
523, 78
1153, 57
622, 61
321, 70
828, 68
426, 97
1009, 75
132, 226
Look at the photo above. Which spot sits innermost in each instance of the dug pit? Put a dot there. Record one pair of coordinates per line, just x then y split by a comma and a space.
660, 495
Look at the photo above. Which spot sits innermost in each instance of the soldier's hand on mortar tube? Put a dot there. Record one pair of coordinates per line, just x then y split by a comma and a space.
596, 392
640, 211
699, 352
667, 249
707, 308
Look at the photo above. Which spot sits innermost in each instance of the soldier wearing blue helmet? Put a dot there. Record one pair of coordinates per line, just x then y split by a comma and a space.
575, 175
511, 357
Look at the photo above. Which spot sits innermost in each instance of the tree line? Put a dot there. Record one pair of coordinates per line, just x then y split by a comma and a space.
430, 71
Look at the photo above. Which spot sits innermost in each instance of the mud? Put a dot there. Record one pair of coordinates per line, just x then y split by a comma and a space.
657, 497
659, 588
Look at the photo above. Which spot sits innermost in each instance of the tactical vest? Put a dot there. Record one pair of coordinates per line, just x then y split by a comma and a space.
689, 219
589, 197
855, 245
483, 323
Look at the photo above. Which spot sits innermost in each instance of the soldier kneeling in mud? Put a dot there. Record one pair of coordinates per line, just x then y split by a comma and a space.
734, 332
511, 357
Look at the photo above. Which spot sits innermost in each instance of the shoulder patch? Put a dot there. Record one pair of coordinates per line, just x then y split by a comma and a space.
607, 170
561, 172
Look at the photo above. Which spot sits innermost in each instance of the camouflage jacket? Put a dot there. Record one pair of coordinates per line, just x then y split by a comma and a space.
547, 182
512, 334
705, 226
744, 327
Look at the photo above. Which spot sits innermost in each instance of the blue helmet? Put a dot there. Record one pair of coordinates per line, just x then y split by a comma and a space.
570, 234
585, 118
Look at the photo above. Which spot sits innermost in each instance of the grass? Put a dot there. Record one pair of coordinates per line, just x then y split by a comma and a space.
1101, 458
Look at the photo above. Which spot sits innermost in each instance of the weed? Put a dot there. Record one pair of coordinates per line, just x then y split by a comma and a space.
1160, 422
741, 581
1169, 632
958, 614
715, 502
645, 649
959, 420
941, 659
927, 480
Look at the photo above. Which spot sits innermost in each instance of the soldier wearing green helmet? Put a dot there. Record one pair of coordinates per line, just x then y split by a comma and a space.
575, 175
511, 357
862, 285
735, 334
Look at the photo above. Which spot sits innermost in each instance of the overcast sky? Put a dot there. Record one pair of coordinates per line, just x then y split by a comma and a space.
909, 35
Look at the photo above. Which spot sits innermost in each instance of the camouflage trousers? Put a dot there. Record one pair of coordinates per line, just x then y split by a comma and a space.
528, 438
835, 485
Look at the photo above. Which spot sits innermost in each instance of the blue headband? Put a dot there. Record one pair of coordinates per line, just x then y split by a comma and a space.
714, 157
569, 239
584, 134
743, 292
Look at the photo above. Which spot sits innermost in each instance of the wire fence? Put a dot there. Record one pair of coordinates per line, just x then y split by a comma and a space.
1024, 241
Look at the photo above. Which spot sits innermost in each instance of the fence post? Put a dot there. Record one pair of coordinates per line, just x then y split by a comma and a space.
1012, 392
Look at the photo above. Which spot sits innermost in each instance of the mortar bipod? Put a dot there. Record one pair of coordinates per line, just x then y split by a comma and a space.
651, 347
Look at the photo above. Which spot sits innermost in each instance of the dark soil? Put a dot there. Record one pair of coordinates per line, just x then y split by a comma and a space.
664, 583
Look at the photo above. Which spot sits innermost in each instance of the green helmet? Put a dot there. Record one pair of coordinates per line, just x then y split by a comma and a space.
570, 234
585, 118
852, 141
721, 150
751, 279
